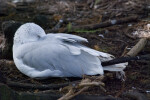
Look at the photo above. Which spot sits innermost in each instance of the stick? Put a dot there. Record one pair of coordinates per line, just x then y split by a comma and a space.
71, 94
131, 55
137, 48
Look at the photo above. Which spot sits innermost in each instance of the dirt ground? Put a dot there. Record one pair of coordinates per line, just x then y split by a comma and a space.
116, 39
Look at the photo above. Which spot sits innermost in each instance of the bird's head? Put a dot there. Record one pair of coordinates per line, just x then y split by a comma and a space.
28, 32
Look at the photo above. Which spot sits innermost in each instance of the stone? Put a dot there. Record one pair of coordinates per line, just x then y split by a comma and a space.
9, 28
41, 20
134, 95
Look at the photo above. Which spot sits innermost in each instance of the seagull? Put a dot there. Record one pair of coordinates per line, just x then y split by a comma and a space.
40, 55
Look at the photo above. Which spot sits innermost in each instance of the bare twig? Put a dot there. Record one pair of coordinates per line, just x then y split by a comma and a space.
84, 85
11, 4
92, 84
71, 94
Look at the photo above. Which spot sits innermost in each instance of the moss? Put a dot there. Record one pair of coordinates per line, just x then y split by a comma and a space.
104, 49
87, 31
97, 1
69, 27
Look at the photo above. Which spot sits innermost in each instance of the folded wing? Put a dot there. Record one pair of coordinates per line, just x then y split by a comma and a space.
64, 53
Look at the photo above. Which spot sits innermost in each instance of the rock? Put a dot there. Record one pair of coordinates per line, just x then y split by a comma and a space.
134, 95
41, 20
9, 28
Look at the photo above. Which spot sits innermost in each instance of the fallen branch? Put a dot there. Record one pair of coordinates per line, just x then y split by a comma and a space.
137, 48
100, 25
36, 86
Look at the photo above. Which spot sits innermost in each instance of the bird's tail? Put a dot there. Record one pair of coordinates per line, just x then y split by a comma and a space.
125, 59
119, 64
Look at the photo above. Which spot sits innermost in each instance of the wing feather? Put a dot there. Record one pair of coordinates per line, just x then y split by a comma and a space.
68, 58
68, 37
64, 53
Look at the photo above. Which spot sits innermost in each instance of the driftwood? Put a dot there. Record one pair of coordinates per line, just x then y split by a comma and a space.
137, 48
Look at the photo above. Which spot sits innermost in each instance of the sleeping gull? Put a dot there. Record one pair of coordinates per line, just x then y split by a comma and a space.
40, 55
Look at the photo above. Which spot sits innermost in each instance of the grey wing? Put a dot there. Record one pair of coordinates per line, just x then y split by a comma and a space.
102, 56
65, 54
72, 59
68, 37
59, 57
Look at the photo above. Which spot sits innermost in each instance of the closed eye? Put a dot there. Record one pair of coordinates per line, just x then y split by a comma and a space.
39, 36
